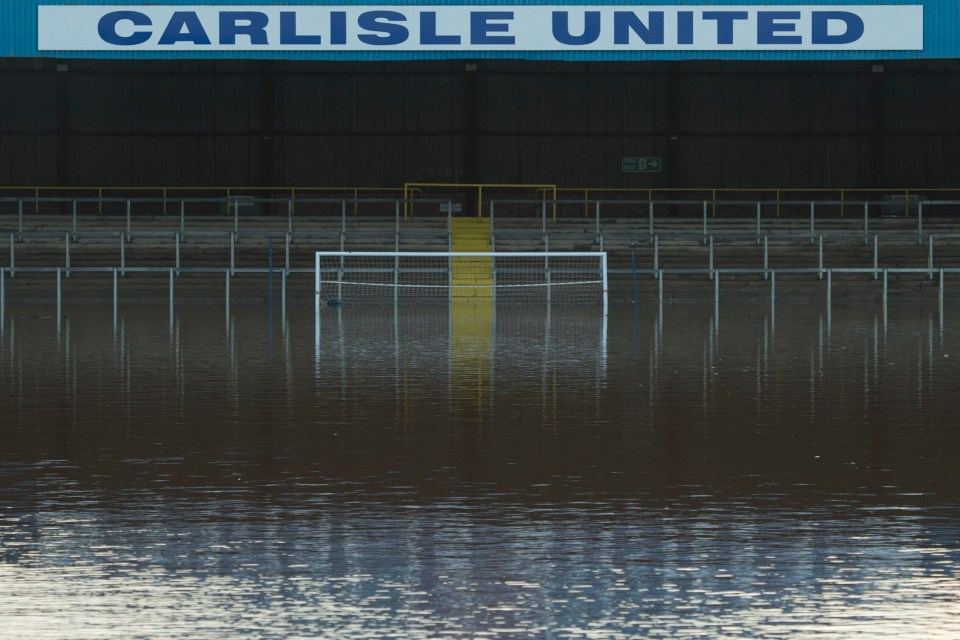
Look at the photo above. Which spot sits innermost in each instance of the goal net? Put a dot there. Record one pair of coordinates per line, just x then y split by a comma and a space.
385, 277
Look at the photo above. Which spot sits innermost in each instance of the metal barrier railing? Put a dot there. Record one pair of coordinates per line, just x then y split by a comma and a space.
416, 239
900, 200
714, 274
548, 211
127, 208
708, 230
705, 211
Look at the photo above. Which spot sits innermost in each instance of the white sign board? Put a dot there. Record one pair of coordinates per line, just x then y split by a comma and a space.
518, 28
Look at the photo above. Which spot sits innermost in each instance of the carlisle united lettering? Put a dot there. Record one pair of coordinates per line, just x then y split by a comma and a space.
385, 28
508, 27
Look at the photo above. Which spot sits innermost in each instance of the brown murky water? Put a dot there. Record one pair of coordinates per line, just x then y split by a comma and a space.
443, 474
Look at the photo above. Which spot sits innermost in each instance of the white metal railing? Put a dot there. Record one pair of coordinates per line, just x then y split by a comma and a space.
699, 225
709, 214
391, 239
715, 273
128, 210
705, 211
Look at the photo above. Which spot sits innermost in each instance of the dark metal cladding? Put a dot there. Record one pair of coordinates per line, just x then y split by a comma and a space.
739, 124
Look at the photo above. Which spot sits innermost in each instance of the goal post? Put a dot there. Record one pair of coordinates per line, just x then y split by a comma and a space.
378, 277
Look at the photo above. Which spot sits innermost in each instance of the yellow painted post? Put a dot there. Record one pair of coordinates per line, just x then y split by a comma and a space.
586, 205
714, 203
406, 204
479, 201
554, 204
100, 201
36, 201
293, 200
356, 196
841, 202
906, 203
778, 203
228, 200
164, 201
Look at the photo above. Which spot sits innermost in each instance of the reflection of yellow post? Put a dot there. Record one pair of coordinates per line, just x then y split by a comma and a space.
472, 329
471, 336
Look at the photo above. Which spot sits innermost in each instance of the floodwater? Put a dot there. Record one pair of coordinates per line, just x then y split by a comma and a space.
447, 474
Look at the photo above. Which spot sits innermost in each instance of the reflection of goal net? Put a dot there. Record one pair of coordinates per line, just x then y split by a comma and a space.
386, 277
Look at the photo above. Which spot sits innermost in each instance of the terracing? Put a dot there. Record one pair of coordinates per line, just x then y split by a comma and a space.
202, 257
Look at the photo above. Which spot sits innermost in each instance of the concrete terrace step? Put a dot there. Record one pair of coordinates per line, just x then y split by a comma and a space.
470, 234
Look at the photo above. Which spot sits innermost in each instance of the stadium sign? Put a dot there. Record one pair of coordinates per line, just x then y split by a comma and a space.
556, 28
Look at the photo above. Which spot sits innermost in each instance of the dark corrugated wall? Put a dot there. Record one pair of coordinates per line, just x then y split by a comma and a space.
277, 123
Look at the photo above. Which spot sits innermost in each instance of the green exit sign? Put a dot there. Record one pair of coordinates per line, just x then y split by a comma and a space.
642, 165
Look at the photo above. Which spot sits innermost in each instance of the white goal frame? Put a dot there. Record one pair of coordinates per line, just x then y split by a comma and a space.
541, 255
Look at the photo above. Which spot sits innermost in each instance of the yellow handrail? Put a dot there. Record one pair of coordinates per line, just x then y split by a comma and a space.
407, 201
480, 186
